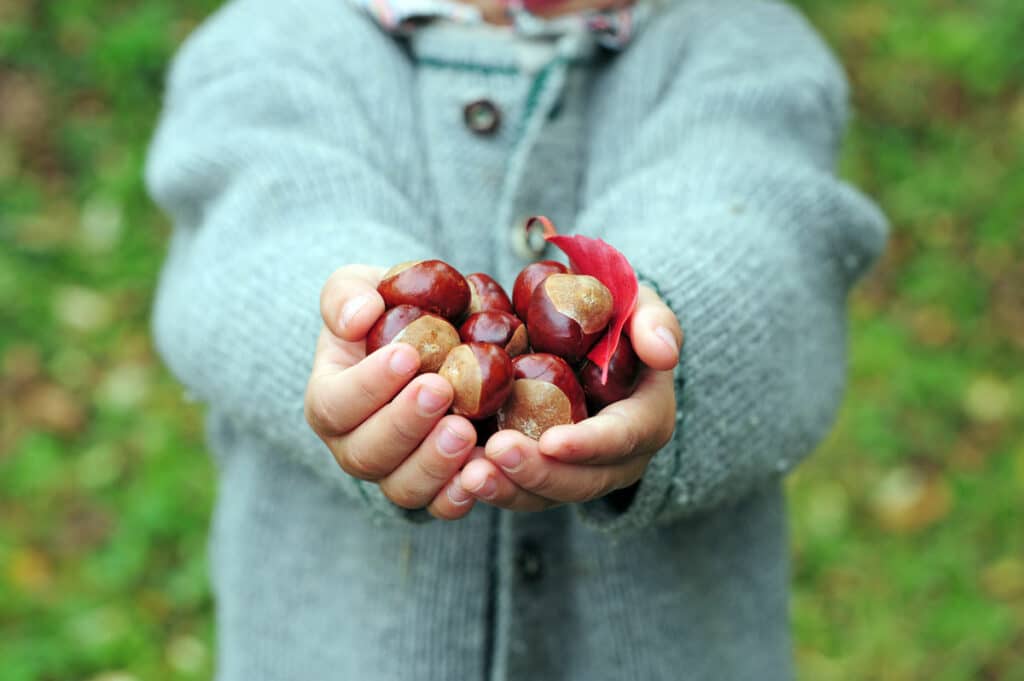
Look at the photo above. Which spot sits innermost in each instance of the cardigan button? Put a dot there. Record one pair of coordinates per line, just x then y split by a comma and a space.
482, 117
529, 562
528, 245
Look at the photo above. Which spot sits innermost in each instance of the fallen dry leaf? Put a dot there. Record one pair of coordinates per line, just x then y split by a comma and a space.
52, 408
21, 364
30, 570
81, 308
909, 500
988, 400
186, 655
1004, 579
933, 326
126, 385
24, 105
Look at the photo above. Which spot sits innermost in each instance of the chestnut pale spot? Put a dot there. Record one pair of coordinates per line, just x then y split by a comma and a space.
475, 304
400, 267
533, 407
527, 281
582, 298
519, 343
462, 369
432, 337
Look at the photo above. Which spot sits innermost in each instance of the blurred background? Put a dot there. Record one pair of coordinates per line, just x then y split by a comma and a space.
907, 530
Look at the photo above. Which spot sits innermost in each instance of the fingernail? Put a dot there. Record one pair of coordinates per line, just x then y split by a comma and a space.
402, 361
350, 309
509, 459
457, 495
450, 442
430, 402
669, 339
487, 488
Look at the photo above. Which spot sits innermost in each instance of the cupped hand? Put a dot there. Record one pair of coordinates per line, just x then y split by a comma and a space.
381, 426
608, 451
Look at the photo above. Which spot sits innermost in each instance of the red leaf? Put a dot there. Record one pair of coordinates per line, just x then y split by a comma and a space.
608, 265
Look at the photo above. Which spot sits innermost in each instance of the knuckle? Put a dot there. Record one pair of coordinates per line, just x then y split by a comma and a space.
627, 432
402, 496
595, 488
358, 462
367, 391
408, 492
540, 481
405, 432
507, 497
316, 409
434, 469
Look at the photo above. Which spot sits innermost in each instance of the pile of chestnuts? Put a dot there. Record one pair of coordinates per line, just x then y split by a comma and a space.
518, 362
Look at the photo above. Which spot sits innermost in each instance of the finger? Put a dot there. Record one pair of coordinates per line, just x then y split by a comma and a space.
483, 480
655, 332
454, 502
349, 302
338, 401
640, 424
522, 463
430, 467
377, 446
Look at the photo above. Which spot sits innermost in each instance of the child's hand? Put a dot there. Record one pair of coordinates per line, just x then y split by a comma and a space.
606, 452
402, 443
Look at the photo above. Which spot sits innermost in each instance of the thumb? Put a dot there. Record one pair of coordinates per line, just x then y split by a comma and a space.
655, 332
349, 302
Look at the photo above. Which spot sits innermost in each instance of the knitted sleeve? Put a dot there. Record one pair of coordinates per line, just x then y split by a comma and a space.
719, 186
267, 158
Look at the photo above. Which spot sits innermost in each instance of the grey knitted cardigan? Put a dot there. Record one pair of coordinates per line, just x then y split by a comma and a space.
298, 137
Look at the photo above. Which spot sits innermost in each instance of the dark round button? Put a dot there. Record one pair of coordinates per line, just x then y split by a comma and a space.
527, 244
529, 561
482, 117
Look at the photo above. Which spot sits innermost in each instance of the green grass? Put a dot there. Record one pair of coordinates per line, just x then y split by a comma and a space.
908, 551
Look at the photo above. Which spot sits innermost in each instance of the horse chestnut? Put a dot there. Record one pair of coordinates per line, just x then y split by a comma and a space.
431, 335
431, 285
623, 372
501, 328
567, 315
486, 295
481, 378
528, 278
545, 393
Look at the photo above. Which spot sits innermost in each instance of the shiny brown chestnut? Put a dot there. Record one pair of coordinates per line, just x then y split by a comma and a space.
545, 393
431, 335
501, 328
481, 378
431, 285
567, 315
623, 373
486, 295
528, 278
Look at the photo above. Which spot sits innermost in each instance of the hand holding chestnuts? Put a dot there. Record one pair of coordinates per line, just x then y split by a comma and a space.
511, 361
